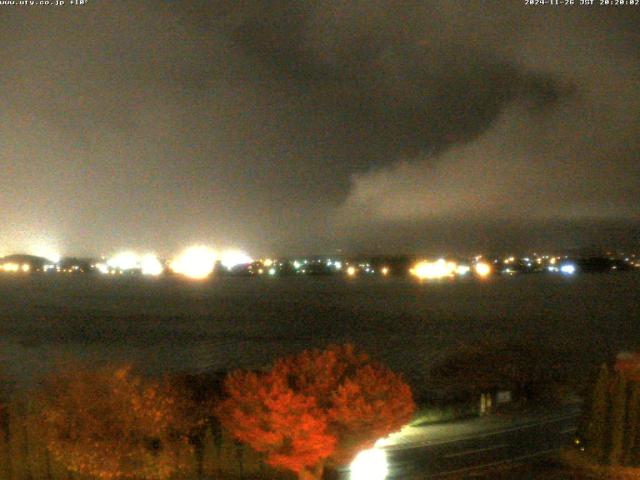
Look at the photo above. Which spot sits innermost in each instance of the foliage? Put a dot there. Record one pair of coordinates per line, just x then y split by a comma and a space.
618, 417
112, 424
632, 425
579, 466
611, 426
596, 424
195, 398
315, 408
198, 396
468, 370
24, 456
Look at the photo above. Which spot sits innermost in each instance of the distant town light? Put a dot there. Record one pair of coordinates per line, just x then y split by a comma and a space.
463, 269
10, 267
231, 258
426, 270
384, 271
52, 256
101, 267
568, 269
124, 261
45, 249
272, 271
369, 465
150, 265
482, 269
351, 271
195, 262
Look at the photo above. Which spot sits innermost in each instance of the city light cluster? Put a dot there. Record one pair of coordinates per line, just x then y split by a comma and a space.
196, 262
426, 270
565, 268
15, 267
147, 264
442, 269
200, 262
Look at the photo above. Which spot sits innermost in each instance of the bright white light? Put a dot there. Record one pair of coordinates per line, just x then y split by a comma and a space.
369, 465
195, 262
124, 261
52, 256
568, 269
463, 269
338, 265
433, 270
231, 258
272, 271
150, 265
45, 248
101, 267
296, 264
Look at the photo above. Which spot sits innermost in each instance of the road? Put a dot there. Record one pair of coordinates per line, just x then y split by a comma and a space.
436, 451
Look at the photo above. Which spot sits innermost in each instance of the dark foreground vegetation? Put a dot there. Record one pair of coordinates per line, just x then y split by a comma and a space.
305, 415
608, 441
24, 455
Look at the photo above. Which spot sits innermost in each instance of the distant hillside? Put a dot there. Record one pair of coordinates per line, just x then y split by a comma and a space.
32, 260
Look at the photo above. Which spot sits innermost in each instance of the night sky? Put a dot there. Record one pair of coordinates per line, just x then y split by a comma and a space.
318, 126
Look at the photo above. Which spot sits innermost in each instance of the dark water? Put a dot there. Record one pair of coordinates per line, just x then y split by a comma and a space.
174, 325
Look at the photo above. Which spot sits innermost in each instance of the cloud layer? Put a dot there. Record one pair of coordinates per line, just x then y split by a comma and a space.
310, 126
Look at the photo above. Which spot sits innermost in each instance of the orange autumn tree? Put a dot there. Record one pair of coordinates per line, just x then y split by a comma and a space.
315, 409
111, 424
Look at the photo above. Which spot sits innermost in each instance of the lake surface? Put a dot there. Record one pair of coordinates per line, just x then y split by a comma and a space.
173, 325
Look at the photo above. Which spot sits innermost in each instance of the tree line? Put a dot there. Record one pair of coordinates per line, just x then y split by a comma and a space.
307, 412
610, 430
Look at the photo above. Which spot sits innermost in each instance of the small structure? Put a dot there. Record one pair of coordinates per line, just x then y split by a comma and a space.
486, 403
503, 396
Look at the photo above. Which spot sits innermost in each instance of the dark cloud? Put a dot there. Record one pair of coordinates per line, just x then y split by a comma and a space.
312, 125
394, 81
567, 157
